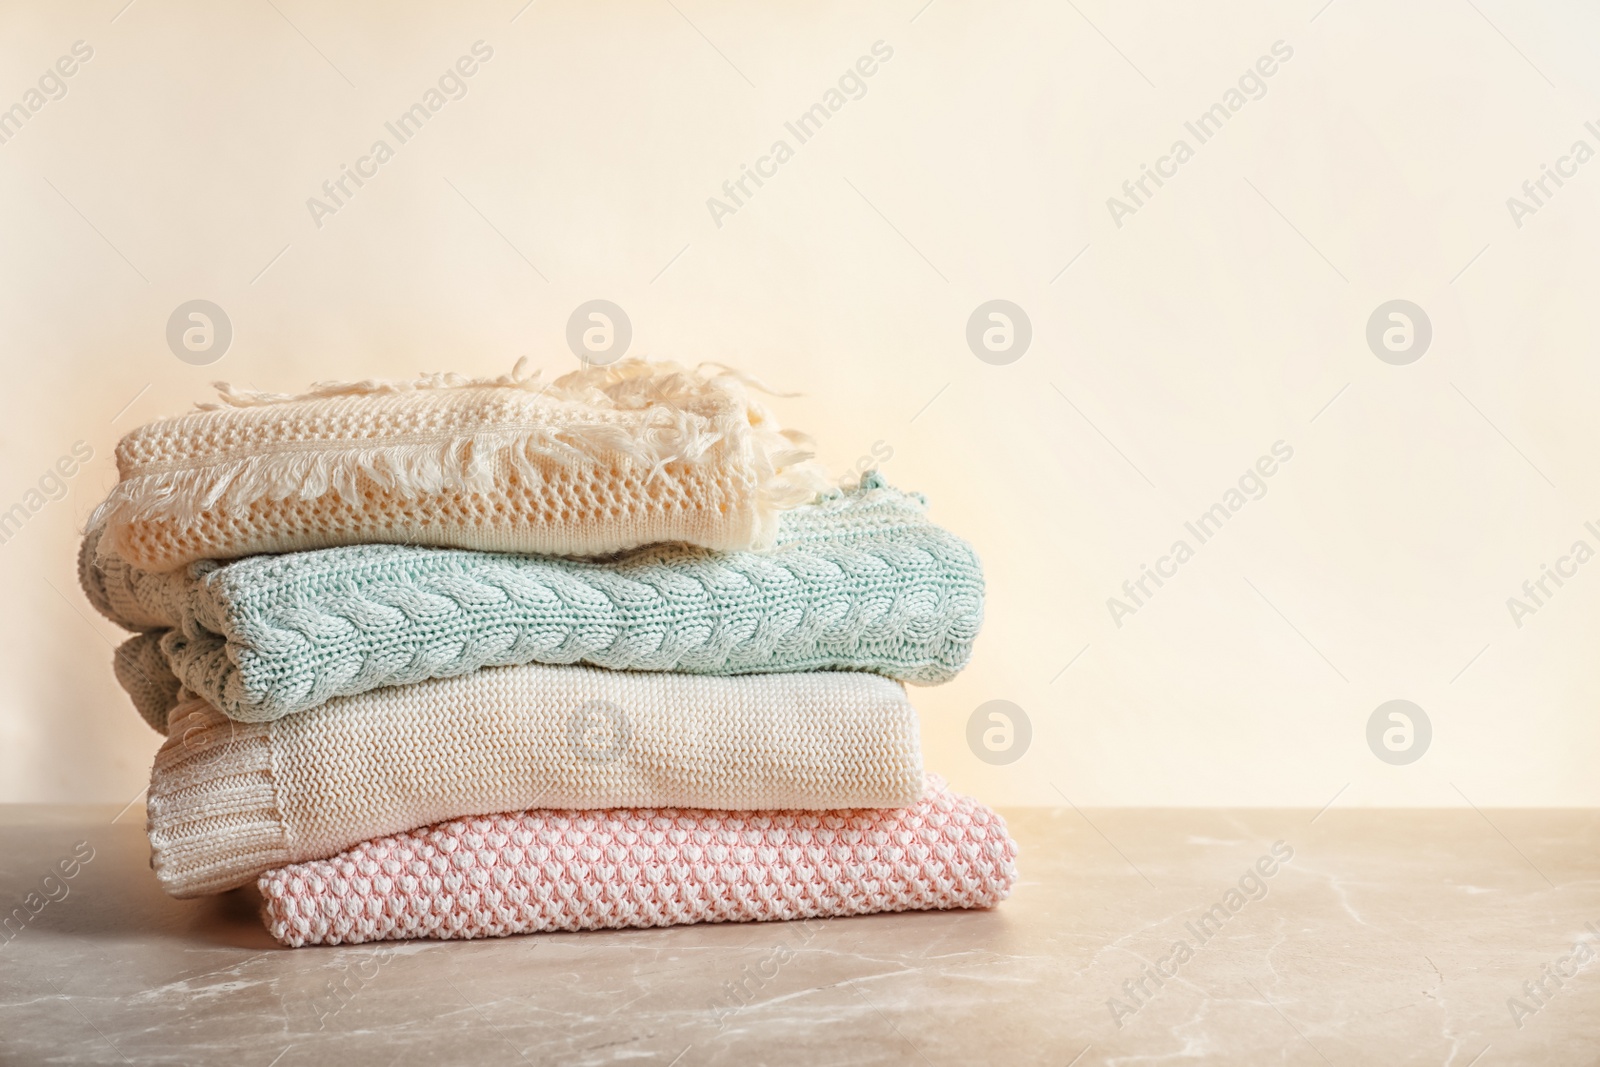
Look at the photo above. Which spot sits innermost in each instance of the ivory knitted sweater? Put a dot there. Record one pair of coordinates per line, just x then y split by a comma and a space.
601, 460
858, 581
574, 870
229, 800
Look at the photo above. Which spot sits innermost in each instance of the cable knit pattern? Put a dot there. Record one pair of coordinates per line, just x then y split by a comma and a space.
508, 738
601, 460
857, 581
539, 871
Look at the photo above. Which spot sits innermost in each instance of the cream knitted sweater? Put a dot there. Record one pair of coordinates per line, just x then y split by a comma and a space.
598, 461
229, 800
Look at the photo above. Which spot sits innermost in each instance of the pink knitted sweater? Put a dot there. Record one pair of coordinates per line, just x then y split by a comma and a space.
541, 870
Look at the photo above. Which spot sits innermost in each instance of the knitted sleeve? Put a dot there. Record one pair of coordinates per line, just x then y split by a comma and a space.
143, 673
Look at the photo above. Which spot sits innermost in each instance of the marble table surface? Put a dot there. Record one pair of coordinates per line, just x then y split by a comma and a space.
1134, 936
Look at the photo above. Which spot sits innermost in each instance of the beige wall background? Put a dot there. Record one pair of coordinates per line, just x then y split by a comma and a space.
1173, 344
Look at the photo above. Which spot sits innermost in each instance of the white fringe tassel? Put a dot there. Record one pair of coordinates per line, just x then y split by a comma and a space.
692, 418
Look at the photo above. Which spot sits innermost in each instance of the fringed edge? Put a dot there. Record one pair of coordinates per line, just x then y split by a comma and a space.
690, 417
619, 386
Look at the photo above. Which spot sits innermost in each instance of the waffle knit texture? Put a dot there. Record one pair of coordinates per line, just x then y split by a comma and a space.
598, 461
229, 800
858, 581
537, 871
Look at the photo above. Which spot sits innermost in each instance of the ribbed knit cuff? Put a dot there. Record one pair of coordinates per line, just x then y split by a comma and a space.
108, 583
149, 682
214, 819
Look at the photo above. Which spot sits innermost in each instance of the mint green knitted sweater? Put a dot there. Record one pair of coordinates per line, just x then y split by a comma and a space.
857, 581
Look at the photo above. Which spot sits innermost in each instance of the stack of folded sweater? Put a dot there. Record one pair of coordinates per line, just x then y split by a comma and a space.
457, 658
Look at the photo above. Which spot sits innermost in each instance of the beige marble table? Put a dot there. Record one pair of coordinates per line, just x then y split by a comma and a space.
1392, 937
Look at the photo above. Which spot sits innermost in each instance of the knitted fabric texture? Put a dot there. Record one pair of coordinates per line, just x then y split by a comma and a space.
859, 581
601, 460
142, 671
571, 870
228, 800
